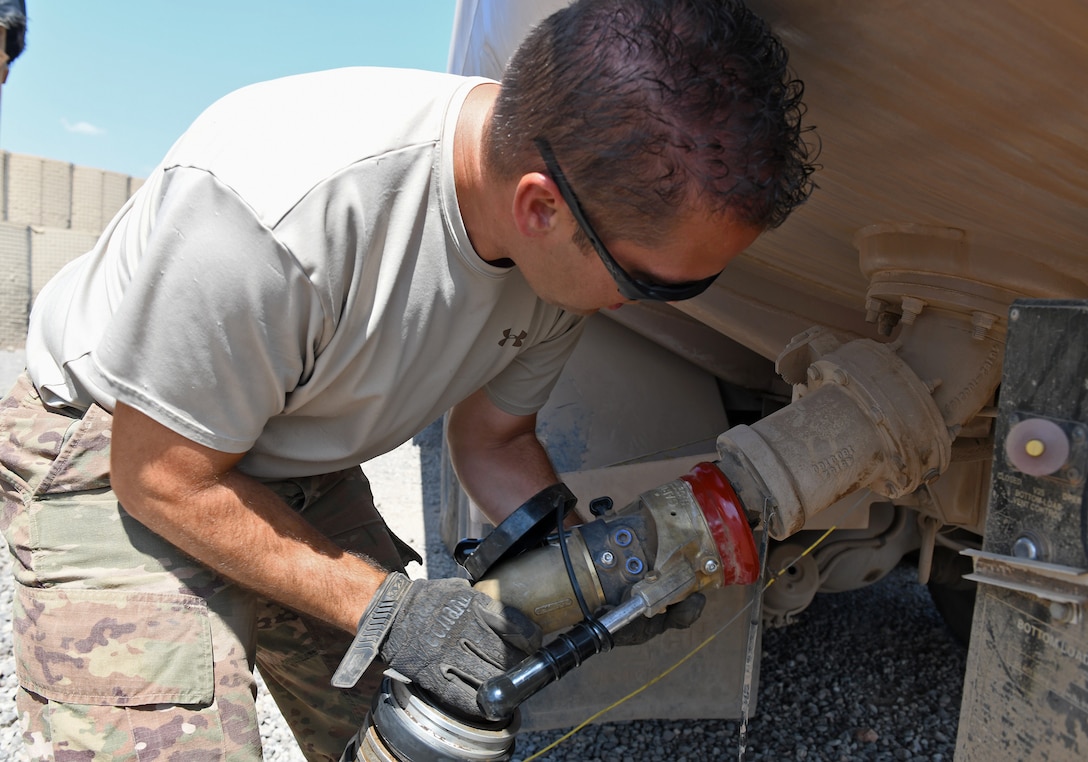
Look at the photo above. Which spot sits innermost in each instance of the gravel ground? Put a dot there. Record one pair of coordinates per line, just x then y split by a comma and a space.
866, 675
872, 674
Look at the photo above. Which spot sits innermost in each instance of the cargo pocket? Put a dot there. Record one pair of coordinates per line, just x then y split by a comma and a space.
113, 648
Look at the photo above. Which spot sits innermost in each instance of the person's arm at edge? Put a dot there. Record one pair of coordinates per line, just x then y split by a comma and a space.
497, 456
193, 497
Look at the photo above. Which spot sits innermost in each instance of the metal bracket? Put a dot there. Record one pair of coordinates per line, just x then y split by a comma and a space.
1066, 585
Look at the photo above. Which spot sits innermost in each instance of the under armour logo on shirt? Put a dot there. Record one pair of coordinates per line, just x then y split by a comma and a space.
506, 336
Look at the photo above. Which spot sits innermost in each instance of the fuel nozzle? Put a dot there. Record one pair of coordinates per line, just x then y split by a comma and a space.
684, 536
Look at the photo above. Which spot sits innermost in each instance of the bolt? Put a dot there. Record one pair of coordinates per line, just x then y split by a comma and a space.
1014, 314
876, 414
890, 490
607, 559
873, 308
1025, 547
912, 308
710, 566
622, 537
814, 373
931, 476
841, 377
634, 565
982, 323
886, 324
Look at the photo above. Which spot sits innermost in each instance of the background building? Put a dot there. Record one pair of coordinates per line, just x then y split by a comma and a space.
50, 213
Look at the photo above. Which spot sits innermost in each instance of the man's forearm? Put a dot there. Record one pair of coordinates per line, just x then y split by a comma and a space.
497, 457
501, 479
195, 498
244, 531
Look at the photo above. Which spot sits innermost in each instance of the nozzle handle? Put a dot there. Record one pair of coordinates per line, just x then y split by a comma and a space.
501, 695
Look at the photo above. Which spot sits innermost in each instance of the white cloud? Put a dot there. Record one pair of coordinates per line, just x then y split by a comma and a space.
82, 128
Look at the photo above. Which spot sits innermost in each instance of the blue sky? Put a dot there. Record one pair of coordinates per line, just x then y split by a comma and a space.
112, 84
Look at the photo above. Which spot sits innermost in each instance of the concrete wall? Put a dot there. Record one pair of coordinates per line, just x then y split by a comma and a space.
50, 213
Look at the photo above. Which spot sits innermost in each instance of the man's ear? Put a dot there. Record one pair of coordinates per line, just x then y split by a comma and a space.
536, 205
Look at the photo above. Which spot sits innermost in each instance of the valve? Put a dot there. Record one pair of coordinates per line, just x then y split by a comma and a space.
675, 540
591, 581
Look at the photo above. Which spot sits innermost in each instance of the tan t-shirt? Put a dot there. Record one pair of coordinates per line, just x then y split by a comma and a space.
295, 282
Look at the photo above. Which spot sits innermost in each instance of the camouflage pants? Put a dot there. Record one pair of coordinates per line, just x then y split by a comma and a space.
127, 649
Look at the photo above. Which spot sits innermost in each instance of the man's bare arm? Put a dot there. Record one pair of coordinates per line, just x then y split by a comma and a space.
193, 497
497, 456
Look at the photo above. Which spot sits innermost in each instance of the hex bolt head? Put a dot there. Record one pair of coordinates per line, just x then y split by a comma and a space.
711, 566
607, 558
873, 308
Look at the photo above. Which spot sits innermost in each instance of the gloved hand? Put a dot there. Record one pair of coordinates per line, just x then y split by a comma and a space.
679, 616
449, 638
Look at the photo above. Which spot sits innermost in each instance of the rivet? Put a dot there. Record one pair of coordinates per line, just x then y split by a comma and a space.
1061, 612
1025, 547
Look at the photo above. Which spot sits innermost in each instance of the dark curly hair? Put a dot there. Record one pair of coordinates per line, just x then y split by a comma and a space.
656, 106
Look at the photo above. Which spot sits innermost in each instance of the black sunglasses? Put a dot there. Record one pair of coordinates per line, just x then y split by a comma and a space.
629, 286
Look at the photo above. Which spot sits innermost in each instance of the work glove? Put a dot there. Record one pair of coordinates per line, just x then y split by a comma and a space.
679, 616
448, 638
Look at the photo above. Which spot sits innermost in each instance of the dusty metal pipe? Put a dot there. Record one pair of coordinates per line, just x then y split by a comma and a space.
874, 415
863, 418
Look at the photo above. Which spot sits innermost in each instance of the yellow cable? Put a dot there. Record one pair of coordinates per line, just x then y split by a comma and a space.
578, 728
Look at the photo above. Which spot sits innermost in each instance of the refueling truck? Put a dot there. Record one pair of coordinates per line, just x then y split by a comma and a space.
900, 370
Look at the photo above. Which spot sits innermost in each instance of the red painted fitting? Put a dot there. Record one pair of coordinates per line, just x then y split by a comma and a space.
728, 524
